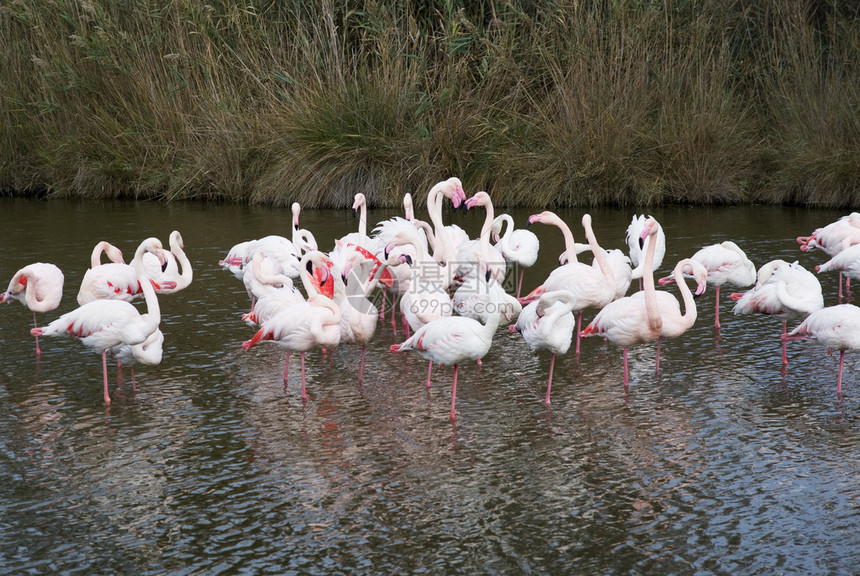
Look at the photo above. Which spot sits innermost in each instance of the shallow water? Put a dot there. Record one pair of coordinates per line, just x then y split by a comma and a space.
723, 463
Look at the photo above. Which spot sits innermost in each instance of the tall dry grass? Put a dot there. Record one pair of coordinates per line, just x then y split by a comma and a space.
549, 103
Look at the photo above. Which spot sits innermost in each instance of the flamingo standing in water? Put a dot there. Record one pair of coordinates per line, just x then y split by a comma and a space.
148, 352
782, 290
452, 340
633, 319
726, 264
118, 281
519, 247
847, 263
833, 238
592, 287
306, 325
836, 327
104, 324
547, 324
37, 286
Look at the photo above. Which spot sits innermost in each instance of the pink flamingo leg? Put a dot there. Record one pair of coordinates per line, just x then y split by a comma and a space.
578, 330
784, 340
838, 380
394, 314
429, 370
626, 380
286, 371
133, 383
304, 393
104, 371
549, 382
454, 392
717, 309
520, 283
659, 343
36, 325
840, 287
382, 308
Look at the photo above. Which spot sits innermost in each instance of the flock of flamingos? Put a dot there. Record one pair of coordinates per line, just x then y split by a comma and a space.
450, 289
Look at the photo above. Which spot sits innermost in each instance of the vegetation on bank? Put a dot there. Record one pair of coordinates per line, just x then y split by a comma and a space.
539, 103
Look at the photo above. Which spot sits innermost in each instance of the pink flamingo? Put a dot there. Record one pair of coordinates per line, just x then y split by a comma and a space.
633, 319
167, 276
784, 291
452, 340
726, 264
592, 287
104, 324
37, 286
118, 281
836, 327
833, 238
519, 247
306, 325
547, 324
637, 253
148, 352
104, 247
846, 262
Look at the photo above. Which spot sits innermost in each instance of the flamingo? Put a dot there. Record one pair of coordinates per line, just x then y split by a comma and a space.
618, 261
833, 238
784, 291
632, 320
450, 236
846, 262
302, 239
519, 247
117, 281
270, 290
452, 340
675, 323
477, 253
37, 286
104, 324
305, 325
637, 253
726, 264
148, 352
113, 254
169, 277
547, 324
592, 287
836, 327
237, 256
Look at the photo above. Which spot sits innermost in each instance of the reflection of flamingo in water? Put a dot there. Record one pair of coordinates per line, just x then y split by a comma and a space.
103, 324
785, 291
306, 325
37, 286
836, 327
633, 319
547, 324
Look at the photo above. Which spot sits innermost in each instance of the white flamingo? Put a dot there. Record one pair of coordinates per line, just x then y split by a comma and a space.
784, 291
592, 287
726, 264
547, 324
104, 324
676, 323
37, 286
518, 246
168, 276
836, 327
632, 320
310, 324
637, 253
451, 340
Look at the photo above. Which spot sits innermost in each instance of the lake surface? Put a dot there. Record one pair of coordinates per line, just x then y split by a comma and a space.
723, 463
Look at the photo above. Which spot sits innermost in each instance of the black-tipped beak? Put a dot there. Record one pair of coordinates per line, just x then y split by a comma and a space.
310, 268
487, 275
386, 253
641, 243
354, 212
408, 259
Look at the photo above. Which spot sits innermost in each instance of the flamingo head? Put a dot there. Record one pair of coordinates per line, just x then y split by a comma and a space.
296, 208
479, 199
359, 201
648, 229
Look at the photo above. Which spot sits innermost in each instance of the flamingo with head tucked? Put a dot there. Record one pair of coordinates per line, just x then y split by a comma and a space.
784, 291
726, 263
37, 286
836, 327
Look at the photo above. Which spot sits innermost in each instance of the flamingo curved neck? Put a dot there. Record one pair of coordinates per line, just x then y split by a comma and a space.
655, 321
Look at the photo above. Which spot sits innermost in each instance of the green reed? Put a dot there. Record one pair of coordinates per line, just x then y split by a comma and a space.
547, 103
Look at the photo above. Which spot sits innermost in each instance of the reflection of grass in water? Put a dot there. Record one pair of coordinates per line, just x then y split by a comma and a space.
576, 104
